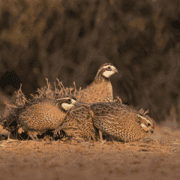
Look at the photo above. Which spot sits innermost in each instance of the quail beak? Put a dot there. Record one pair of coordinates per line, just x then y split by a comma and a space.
152, 130
115, 70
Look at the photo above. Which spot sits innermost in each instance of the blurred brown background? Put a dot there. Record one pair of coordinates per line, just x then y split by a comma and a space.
70, 40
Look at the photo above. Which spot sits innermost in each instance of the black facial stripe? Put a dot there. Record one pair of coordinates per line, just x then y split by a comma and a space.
68, 101
65, 100
109, 68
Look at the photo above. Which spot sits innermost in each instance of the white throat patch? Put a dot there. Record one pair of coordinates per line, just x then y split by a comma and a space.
144, 118
144, 127
67, 106
107, 74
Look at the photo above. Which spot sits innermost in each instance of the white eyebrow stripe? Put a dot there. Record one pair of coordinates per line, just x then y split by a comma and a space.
106, 66
63, 98
144, 118
73, 100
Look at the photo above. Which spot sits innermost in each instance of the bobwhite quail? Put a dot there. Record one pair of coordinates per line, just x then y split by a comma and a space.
121, 121
78, 123
100, 89
41, 114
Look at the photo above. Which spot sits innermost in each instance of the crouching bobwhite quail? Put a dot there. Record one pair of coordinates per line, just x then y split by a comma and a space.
121, 121
41, 114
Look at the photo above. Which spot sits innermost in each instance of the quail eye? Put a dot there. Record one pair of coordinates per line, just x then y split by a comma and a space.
109, 68
148, 124
69, 101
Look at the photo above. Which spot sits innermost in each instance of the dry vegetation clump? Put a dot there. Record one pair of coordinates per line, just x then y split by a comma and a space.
58, 92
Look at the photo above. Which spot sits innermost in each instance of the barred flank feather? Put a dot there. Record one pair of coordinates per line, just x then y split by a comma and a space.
78, 123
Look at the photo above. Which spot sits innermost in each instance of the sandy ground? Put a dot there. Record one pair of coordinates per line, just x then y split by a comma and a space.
155, 157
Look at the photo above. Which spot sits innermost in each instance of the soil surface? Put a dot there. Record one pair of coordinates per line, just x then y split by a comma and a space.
155, 157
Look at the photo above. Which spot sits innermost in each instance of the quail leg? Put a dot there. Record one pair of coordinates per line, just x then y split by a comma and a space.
78, 139
9, 139
33, 136
101, 137
125, 140
58, 129
56, 133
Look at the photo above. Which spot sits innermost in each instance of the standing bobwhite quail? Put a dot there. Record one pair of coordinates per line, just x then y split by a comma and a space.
78, 122
41, 114
121, 121
100, 89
